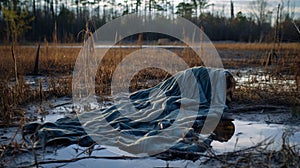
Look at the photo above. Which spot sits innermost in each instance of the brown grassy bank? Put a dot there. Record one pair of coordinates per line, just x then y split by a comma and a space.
57, 64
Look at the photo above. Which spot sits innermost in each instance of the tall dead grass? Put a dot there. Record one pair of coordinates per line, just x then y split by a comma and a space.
12, 95
57, 63
255, 46
260, 155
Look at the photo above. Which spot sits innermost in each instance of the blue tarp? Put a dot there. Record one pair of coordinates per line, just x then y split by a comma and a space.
156, 110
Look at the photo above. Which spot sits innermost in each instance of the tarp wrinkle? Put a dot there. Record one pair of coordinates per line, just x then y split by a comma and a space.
159, 106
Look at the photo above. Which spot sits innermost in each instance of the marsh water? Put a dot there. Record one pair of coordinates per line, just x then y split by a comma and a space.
246, 134
247, 131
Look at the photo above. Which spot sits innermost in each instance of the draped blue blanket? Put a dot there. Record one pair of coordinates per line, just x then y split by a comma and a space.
155, 110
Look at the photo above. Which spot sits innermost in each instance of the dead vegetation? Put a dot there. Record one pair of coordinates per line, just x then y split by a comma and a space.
56, 63
260, 156
255, 46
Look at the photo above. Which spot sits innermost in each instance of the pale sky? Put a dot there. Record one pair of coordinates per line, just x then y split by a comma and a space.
245, 6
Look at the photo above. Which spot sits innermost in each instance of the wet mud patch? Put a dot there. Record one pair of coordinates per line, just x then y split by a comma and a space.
268, 114
260, 134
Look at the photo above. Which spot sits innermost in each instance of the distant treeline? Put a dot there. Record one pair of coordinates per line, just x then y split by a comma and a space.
62, 21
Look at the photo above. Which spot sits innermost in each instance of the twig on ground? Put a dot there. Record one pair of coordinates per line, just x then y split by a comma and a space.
256, 108
86, 157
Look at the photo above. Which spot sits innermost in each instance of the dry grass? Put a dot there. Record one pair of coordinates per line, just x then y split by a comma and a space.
57, 64
255, 46
276, 84
260, 156
53, 62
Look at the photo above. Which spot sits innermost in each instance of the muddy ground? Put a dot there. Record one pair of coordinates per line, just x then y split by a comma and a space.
256, 119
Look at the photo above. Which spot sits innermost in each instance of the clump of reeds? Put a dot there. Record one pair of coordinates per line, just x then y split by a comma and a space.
58, 63
12, 94
255, 46
259, 155
276, 83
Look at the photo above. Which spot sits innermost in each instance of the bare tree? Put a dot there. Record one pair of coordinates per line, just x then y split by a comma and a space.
259, 12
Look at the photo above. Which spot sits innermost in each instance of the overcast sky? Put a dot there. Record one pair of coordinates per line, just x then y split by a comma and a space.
245, 6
